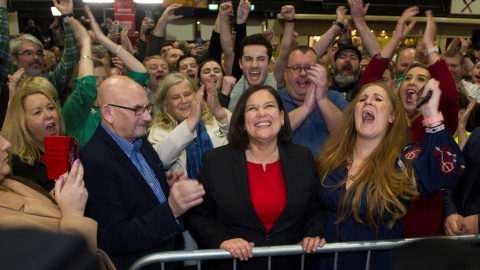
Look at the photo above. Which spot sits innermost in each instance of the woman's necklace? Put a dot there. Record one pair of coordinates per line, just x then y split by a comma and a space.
266, 161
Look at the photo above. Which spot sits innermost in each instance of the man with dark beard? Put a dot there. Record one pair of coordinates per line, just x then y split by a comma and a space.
346, 72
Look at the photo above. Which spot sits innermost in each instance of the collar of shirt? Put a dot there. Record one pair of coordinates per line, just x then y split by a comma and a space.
128, 148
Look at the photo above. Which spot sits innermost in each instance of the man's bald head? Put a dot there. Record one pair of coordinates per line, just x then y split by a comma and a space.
405, 59
118, 97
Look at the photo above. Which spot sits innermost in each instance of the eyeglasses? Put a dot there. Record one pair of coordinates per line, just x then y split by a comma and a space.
31, 54
298, 69
138, 110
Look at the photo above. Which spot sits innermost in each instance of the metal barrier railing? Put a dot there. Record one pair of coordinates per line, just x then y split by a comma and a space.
213, 254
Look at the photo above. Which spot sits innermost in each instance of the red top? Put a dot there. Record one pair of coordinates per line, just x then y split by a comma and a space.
267, 191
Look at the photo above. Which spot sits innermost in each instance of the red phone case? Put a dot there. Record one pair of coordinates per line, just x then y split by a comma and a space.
60, 153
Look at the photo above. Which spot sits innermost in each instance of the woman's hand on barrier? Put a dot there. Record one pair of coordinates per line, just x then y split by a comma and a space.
239, 248
310, 244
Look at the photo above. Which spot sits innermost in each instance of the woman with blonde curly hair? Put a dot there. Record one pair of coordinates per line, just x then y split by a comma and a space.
369, 173
32, 114
184, 125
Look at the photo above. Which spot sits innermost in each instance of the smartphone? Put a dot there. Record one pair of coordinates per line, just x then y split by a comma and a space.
116, 26
198, 44
60, 153
421, 101
148, 13
185, 11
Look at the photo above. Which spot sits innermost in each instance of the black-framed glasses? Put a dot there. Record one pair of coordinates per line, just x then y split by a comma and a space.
298, 69
31, 53
138, 110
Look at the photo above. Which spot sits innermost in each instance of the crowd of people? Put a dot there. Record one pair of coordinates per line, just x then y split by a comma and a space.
342, 141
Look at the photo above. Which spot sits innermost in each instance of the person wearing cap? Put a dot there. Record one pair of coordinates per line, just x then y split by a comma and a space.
346, 71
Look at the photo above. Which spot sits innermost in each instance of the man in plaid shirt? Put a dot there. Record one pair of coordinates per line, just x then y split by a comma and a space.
27, 52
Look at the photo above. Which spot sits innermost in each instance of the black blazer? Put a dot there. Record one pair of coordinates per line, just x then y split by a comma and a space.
464, 199
131, 221
227, 211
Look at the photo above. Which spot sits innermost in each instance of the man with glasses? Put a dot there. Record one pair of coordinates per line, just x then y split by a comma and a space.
27, 52
314, 112
136, 206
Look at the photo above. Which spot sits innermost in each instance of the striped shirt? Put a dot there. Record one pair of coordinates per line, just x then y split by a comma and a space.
132, 150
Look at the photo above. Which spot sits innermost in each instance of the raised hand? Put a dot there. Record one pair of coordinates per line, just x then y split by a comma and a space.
64, 6
402, 29
243, 10
288, 12
357, 10
14, 82
70, 192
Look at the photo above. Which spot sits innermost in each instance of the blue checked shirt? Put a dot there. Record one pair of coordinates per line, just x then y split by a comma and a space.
132, 150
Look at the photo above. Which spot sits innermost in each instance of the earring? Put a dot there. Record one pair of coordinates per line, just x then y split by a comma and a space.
244, 128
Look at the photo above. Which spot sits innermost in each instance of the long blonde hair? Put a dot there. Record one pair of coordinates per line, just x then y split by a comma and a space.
15, 128
379, 180
161, 117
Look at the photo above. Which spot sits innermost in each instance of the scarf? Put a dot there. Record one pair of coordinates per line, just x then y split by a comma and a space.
242, 85
195, 150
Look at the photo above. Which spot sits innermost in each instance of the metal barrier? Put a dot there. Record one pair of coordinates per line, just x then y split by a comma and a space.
212, 254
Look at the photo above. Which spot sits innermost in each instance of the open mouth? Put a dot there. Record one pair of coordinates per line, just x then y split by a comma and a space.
51, 128
368, 117
184, 108
411, 96
255, 74
263, 124
160, 77
303, 83
191, 76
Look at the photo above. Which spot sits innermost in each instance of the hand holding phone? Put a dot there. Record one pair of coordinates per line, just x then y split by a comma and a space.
421, 101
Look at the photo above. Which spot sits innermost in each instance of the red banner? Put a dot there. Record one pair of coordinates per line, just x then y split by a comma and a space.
124, 13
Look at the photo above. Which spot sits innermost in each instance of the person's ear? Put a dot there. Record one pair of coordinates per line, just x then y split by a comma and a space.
107, 113
15, 60
240, 63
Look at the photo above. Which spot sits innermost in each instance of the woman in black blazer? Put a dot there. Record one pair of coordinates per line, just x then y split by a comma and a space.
260, 188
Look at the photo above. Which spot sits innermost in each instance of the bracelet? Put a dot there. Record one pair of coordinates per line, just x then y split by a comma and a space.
289, 21
339, 24
118, 50
68, 15
223, 117
434, 119
87, 57
435, 129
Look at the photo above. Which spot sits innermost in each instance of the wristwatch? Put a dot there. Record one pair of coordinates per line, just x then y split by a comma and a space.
432, 50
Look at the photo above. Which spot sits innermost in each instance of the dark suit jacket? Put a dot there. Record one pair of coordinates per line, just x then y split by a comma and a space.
131, 221
462, 199
228, 212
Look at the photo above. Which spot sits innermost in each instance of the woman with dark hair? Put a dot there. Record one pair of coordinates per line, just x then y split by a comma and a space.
369, 173
210, 71
260, 188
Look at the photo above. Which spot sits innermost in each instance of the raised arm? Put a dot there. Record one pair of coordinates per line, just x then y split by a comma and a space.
158, 34
358, 12
322, 44
288, 13
241, 31
401, 31
225, 35
128, 59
